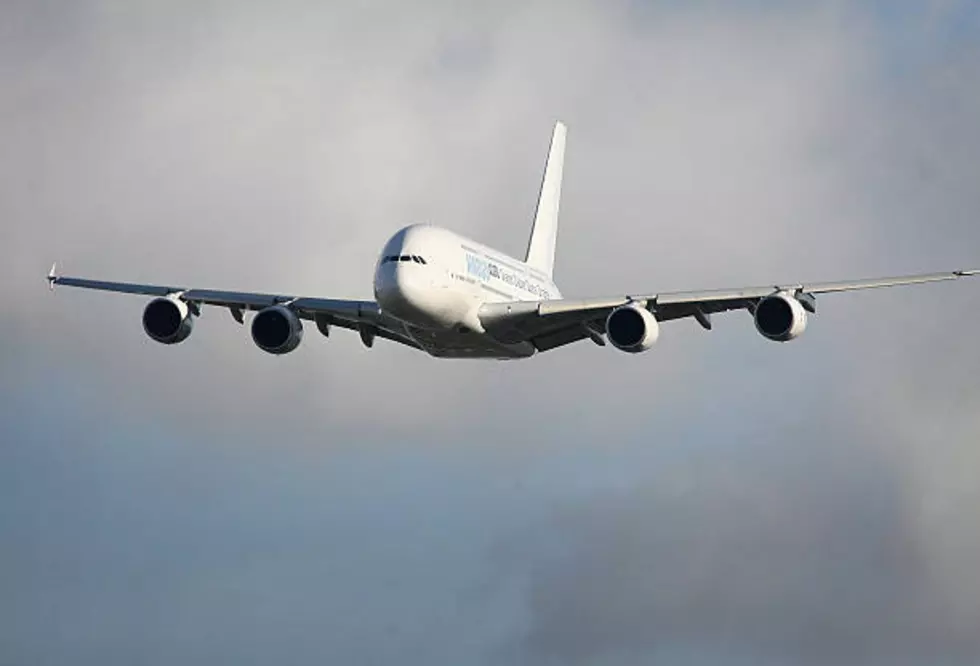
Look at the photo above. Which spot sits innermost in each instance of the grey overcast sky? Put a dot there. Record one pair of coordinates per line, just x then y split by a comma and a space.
718, 500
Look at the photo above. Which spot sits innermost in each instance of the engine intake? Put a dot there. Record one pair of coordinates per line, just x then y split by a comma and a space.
631, 328
780, 317
277, 330
168, 320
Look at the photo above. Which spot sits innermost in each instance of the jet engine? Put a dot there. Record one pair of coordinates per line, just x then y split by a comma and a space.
168, 320
277, 330
780, 317
631, 328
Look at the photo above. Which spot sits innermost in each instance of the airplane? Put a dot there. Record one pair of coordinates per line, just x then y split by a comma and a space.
453, 297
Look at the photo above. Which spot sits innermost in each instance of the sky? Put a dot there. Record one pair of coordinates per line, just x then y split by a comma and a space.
720, 499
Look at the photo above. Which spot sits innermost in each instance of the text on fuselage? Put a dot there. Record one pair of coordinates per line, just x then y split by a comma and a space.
488, 271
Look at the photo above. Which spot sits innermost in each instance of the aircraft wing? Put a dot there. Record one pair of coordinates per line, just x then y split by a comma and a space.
354, 315
550, 324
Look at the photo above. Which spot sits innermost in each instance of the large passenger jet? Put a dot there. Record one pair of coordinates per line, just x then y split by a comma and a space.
453, 297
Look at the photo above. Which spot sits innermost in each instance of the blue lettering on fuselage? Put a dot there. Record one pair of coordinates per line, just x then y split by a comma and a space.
477, 267
481, 269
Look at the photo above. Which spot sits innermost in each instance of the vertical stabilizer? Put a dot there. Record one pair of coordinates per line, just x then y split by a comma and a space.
544, 231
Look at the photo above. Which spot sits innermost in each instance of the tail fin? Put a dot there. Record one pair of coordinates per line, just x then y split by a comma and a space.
544, 232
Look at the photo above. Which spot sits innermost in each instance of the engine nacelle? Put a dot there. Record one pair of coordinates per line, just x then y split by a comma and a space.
631, 328
780, 317
277, 330
168, 320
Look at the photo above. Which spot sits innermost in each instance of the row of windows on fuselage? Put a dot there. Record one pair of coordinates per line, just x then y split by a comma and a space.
403, 257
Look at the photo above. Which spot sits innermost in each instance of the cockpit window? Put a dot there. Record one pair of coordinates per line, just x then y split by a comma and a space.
403, 257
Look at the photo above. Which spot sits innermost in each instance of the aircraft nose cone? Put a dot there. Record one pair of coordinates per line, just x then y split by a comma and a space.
401, 291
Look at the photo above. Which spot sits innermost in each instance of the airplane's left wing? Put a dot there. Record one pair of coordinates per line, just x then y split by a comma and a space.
550, 324
363, 316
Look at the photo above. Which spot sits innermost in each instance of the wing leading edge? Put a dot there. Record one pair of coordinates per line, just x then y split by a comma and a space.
549, 324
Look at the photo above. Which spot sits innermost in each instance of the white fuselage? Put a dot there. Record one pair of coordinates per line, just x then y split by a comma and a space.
435, 281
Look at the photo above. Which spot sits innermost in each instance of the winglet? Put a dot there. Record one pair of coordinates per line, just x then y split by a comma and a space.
52, 276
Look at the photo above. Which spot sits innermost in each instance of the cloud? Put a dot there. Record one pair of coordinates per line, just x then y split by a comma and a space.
765, 557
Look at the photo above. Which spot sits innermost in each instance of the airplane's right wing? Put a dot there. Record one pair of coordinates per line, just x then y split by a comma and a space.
550, 324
